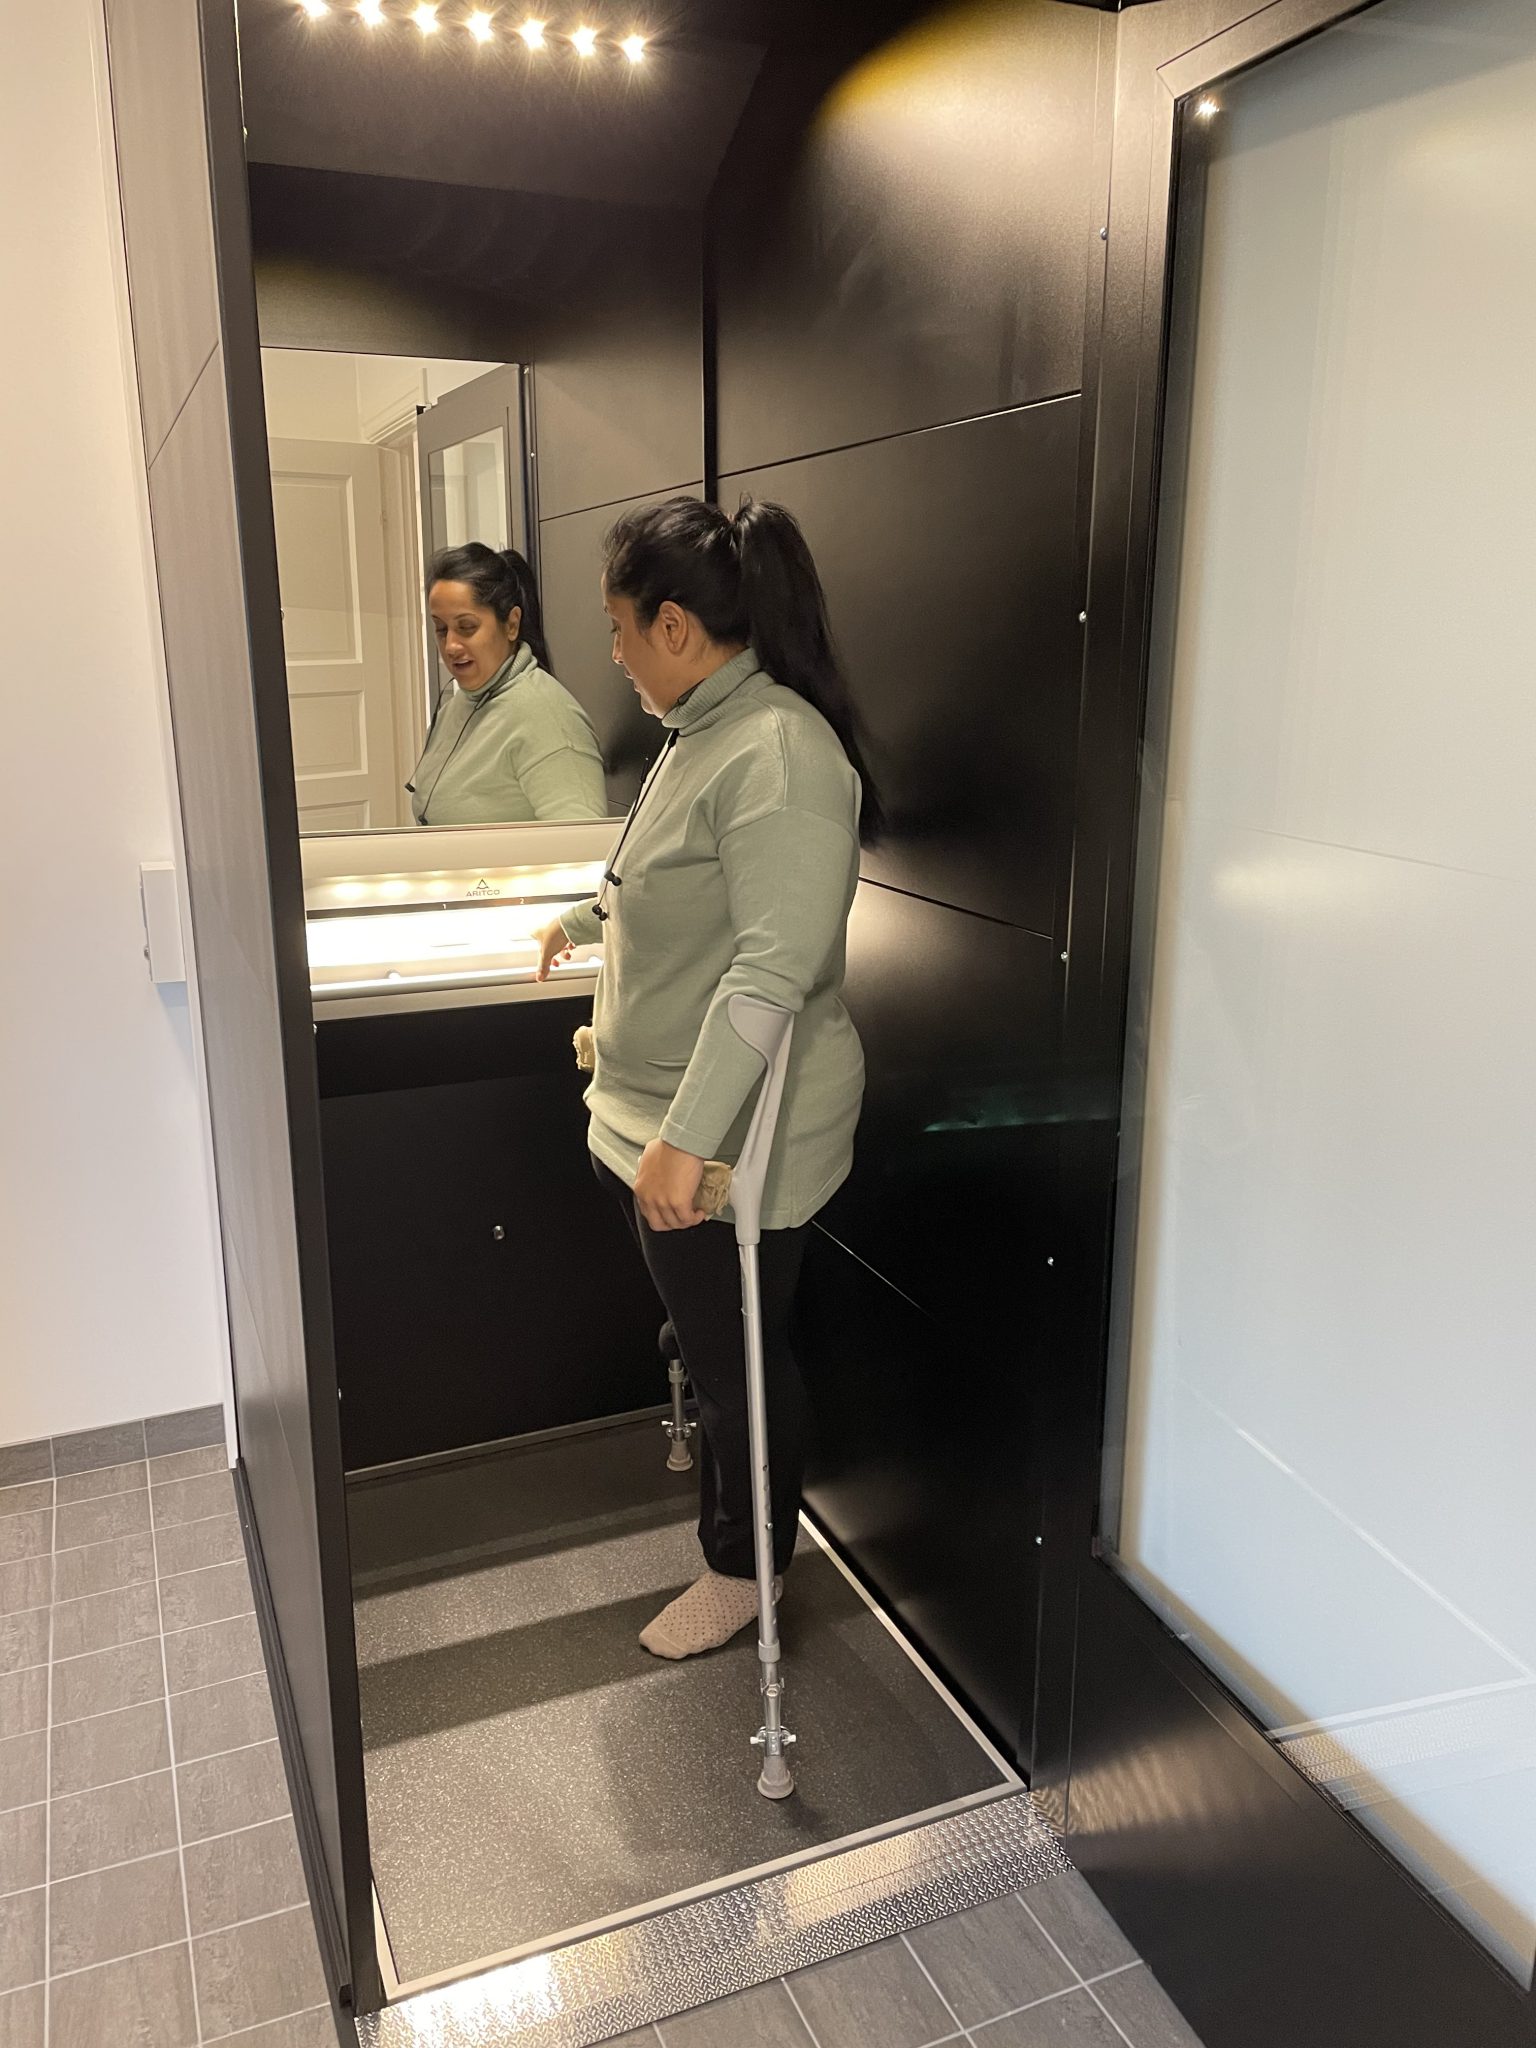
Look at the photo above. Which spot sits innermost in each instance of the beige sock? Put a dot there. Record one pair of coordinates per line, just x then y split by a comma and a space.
711, 1611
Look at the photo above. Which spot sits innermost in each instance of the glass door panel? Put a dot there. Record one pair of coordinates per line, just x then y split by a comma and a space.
1322, 1437
469, 496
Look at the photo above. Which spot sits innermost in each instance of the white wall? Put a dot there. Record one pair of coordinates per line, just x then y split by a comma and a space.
1333, 1329
110, 1290
320, 395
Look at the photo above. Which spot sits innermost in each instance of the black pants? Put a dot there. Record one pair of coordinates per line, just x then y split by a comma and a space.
698, 1276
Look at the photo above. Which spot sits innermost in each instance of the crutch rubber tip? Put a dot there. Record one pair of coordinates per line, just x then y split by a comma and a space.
775, 1781
680, 1459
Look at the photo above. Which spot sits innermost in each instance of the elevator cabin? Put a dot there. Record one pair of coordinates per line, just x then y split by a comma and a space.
975, 291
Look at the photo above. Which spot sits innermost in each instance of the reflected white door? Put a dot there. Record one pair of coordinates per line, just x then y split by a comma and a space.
328, 511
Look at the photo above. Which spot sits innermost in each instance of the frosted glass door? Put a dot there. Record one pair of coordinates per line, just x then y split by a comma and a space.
1323, 1435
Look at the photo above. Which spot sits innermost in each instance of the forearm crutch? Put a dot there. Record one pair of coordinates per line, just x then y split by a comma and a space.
765, 1028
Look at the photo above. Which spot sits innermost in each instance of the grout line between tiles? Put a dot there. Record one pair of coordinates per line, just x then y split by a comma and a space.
134, 1776
170, 1740
245, 2033
938, 1994
196, 1522
1082, 1981
105, 1713
154, 1855
790, 1994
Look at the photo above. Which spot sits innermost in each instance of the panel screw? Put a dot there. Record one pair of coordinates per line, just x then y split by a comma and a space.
1050, 1262
1063, 959
498, 1233
1039, 1543
1103, 234
1082, 618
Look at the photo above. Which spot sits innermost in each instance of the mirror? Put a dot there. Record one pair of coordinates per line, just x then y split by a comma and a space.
479, 285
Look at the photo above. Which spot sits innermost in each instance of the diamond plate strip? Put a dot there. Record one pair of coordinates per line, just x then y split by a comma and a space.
612, 1983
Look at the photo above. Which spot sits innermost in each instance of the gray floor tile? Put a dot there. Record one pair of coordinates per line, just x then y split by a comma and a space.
312, 2029
257, 1972
23, 1848
146, 2000
221, 1793
26, 1500
1139, 2005
100, 1521
87, 1449
108, 1679
196, 1545
1081, 1928
26, 1535
188, 1464
23, 1770
27, 1583
24, 1700
1070, 2022
196, 1598
875, 1994
24, 1639
189, 1429
205, 1656
764, 2018
128, 1744
21, 2018
220, 1717
990, 1960
101, 1567
103, 1620
97, 1485
117, 1912
22, 1464
22, 1923
242, 1877
113, 1824
193, 1500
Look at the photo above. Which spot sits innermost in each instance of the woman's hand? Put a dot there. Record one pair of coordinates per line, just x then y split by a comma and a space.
553, 946
667, 1187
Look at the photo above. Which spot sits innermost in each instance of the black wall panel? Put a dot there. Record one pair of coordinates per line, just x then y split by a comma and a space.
570, 570
195, 339
918, 256
443, 1128
949, 562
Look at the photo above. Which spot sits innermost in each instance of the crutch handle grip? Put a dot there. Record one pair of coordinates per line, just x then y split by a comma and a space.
766, 1028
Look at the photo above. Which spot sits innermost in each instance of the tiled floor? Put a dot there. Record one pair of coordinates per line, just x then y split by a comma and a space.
150, 1886
1044, 1968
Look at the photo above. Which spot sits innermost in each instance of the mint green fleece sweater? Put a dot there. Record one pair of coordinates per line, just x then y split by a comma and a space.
738, 874
521, 748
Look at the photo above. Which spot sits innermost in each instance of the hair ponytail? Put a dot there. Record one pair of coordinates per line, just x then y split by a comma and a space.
747, 578
503, 582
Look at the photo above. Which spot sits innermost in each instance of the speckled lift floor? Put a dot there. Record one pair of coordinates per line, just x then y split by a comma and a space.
531, 1769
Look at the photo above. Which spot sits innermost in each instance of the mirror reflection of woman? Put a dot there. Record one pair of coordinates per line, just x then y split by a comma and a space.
736, 874
508, 743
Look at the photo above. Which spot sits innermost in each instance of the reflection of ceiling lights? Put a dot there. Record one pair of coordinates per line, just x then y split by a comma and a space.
532, 33
372, 11
315, 9
584, 41
425, 17
479, 26
1208, 109
633, 48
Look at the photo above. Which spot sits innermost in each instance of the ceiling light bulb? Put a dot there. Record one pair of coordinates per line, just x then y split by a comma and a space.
633, 48
425, 17
316, 9
372, 11
1207, 108
532, 33
584, 41
480, 26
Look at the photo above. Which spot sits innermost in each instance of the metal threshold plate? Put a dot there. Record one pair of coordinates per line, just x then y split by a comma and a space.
585, 1993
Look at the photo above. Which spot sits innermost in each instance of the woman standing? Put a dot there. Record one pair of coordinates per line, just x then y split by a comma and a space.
735, 873
507, 742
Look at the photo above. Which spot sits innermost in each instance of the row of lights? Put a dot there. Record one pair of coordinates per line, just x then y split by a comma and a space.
482, 26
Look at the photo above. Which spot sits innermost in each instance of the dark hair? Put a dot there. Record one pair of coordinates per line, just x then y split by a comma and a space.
750, 578
502, 581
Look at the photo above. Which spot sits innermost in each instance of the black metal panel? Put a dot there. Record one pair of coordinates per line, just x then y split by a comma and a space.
570, 573
910, 250
216, 569
484, 1284
1269, 1917
922, 1379
949, 559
